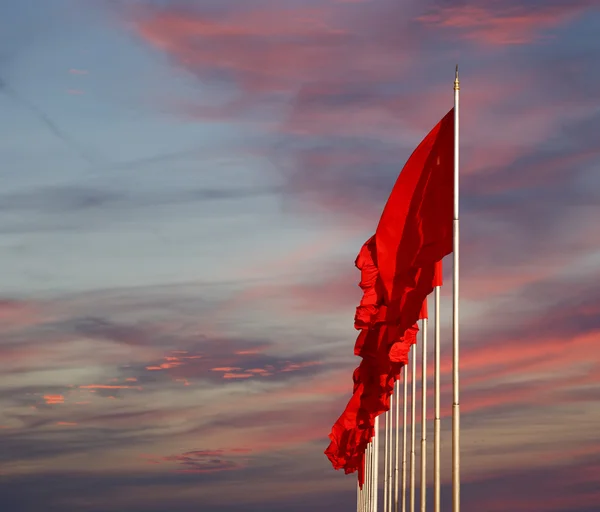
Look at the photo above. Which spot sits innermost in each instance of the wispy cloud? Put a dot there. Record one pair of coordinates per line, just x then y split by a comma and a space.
505, 22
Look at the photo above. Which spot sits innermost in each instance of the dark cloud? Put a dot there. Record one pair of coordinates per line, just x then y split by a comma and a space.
58, 200
555, 488
46, 438
73, 199
227, 360
103, 329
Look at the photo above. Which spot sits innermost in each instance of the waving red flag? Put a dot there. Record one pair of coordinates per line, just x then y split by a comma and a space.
400, 265
415, 229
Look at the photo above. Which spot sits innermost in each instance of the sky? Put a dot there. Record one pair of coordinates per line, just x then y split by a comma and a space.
185, 187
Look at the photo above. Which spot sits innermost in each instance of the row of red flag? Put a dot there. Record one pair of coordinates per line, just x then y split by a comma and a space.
400, 266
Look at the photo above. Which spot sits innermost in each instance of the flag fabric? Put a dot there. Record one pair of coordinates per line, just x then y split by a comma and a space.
415, 229
400, 265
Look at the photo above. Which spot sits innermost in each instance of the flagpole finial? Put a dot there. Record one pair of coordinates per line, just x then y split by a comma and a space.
456, 81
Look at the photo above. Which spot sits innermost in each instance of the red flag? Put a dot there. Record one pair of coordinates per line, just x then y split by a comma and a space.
400, 265
415, 229
439, 274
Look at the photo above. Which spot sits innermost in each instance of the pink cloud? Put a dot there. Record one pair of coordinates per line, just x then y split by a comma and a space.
107, 386
18, 314
292, 367
54, 399
247, 352
507, 24
253, 47
237, 375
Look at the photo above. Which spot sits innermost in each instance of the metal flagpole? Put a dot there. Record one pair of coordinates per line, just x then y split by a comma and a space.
436, 420
397, 437
367, 483
385, 462
413, 432
363, 491
404, 425
390, 454
455, 344
358, 497
369, 495
376, 465
424, 414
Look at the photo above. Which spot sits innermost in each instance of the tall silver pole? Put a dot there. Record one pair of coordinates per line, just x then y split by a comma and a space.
376, 465
455, 344
358, 497
404, 431
367, 484
424, 414
363, 493
436, 420
413, 432
390, 456
386, 473
397, 445
371, 475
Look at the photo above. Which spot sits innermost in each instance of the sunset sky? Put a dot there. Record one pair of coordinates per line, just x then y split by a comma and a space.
185, 187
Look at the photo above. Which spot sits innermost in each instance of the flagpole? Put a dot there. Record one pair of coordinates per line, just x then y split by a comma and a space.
368, 482
385, 462
412, 427
436, 420
404, 411
397, 453
376, 464
365, 488
372, 475
424, 414
358, 497
391, 452
363, 491
455, 343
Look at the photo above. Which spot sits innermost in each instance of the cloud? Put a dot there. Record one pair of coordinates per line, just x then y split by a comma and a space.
333, 117
54, 399
18, 314
257, 47
77, 208
220, 360
205, 461
335, 121
504, 22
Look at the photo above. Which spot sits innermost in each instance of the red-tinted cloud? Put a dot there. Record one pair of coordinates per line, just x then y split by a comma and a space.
108, 386
267, 50
504, 23
19, 314
54, 399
